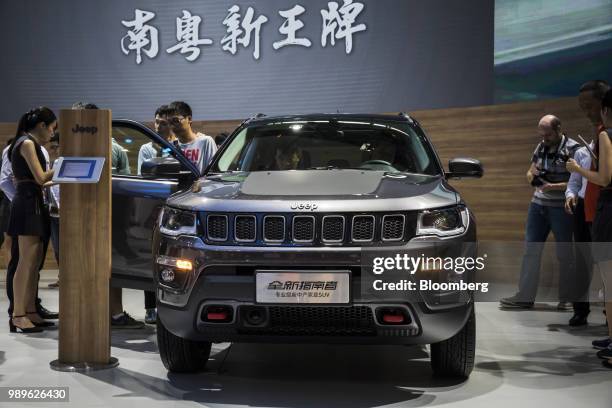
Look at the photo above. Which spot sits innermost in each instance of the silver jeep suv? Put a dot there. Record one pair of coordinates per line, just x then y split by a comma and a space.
269, 245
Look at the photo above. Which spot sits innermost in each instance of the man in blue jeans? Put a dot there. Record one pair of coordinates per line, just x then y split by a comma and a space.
547, 213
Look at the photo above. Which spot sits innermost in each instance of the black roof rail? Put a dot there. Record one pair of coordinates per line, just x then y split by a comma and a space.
256, 116
406, 116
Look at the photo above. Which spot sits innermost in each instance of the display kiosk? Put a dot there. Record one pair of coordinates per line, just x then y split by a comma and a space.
84, 175
78, 170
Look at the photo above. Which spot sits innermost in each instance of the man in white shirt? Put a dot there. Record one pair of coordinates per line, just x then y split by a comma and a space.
574, 204
197, 147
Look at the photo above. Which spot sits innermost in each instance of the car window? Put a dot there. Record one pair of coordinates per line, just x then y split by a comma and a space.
232, 154
130, 148
315, 145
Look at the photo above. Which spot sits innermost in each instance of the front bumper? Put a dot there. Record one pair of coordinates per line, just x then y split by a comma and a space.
224, 276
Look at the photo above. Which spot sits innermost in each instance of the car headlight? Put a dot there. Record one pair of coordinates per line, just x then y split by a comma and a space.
177, 222
444, 222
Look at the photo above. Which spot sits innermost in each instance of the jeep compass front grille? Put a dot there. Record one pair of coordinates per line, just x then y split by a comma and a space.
333, 228
245, 228
393, 227
217, 227
303, 228
309, 229
274, 228
363, 228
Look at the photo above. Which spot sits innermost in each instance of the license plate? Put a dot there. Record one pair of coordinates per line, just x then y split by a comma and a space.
302, 287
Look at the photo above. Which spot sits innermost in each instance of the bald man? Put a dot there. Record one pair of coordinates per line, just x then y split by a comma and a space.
548, 178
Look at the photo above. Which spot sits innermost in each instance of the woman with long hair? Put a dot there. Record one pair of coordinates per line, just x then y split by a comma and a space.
29, 220
602, 224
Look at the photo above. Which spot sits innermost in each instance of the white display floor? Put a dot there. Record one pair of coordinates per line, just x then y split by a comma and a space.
524, 359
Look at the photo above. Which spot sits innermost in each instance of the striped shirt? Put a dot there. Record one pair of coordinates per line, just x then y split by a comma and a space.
552, 162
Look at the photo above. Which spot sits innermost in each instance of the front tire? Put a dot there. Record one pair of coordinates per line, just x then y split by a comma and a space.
454, 357
181, 355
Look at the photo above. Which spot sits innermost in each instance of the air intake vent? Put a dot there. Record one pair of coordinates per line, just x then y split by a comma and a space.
303, 228
333, 229
217, 227
274, 228
245, 228
363, 228
393, 227
317, 320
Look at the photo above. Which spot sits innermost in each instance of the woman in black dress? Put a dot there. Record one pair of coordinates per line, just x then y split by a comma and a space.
602, 224
29, 220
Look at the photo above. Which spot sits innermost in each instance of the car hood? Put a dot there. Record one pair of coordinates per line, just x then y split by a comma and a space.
340, 190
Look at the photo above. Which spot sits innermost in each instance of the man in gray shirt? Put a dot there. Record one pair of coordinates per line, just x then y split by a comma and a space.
549, 177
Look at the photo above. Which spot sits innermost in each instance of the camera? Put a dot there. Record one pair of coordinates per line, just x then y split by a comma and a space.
540, 179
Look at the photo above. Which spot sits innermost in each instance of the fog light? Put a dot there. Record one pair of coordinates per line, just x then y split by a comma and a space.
167, 275
182, 264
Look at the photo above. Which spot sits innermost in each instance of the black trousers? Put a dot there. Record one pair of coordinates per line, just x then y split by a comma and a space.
149, 300
12, 268
584, 260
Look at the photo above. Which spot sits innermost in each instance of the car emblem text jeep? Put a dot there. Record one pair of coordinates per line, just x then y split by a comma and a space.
304, 206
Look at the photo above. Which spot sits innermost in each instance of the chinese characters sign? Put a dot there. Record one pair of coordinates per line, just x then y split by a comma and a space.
243, 27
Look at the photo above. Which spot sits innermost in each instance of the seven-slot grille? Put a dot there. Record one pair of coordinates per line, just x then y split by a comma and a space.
333, 228
217, 227
303, 228
274, 228
393, 227
245, 228
363, 228
309, 229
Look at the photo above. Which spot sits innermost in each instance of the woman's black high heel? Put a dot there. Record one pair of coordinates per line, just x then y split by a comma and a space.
16, 329
44, 323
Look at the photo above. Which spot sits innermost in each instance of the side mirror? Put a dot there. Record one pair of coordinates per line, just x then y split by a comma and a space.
464, 168
162, 167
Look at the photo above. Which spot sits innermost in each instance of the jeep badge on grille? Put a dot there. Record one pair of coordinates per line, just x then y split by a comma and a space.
304, 206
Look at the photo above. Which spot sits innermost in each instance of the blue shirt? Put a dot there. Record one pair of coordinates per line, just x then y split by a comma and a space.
576, 186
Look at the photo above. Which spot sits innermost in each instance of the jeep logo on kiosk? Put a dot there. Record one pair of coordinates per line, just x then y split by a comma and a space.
304, 206
84, 129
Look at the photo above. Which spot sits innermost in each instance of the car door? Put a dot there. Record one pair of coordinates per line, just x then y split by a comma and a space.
137, 201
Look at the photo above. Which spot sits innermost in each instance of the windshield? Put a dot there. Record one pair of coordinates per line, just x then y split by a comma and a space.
391, 147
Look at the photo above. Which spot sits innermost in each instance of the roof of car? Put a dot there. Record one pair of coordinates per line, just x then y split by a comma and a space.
400, 117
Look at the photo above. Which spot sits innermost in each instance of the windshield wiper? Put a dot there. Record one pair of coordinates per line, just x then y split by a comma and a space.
336, 168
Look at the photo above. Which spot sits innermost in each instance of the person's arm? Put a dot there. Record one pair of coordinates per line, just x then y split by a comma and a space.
143, 155
28, 151
209, 149
6, 177
603, 176
532, 172
553, 187
574, 185
124, 164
